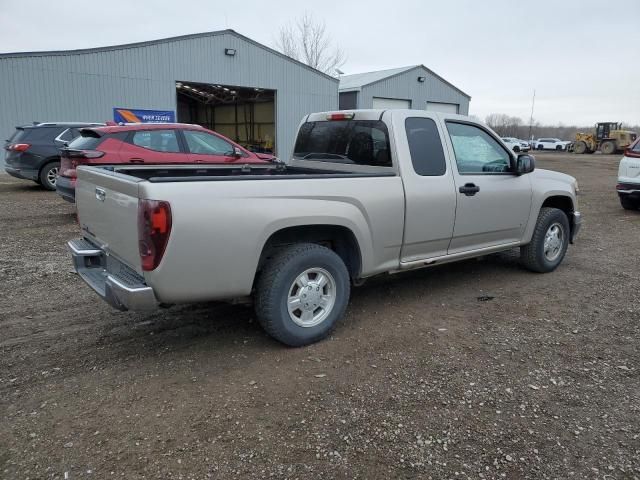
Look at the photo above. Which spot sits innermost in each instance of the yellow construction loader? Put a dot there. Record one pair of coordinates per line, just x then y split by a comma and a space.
609, 138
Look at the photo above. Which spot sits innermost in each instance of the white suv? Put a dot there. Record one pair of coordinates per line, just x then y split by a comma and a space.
550, 144
628, 186
516, 144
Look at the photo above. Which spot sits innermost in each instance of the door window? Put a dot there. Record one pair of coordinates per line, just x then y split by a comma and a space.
207, 144
157, 140
476, 151
425, 147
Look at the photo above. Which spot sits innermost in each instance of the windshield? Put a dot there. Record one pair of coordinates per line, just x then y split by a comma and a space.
360, 142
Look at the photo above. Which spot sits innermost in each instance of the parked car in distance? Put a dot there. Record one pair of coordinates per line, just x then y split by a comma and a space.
516, 144
349, 205
32, 152
628, 186
148, 144
551, 144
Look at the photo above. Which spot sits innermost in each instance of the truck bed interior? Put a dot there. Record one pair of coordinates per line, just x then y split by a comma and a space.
245, 172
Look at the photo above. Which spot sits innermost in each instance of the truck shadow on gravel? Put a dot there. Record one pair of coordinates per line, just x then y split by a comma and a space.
213, 326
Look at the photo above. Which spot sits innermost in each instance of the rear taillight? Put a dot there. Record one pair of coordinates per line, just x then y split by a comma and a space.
72, 153
70, 160
154, 228
19, 147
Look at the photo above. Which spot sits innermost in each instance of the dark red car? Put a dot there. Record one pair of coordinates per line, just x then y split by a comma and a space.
169, 143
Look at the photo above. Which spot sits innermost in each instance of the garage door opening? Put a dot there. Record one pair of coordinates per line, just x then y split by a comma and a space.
245, 115
443, 107
379, 102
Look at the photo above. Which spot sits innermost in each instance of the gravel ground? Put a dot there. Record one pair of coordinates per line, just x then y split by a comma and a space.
420, 380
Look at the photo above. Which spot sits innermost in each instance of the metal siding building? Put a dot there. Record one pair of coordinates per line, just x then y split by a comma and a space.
401, 87
85, 85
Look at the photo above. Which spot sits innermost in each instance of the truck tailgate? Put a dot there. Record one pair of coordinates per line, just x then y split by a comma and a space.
107, 205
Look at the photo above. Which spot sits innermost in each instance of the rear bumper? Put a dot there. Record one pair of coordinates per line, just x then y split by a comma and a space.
66, 188
118, 285
23, 173
632, 189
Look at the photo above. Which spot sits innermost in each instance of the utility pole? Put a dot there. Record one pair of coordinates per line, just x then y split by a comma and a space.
533, 103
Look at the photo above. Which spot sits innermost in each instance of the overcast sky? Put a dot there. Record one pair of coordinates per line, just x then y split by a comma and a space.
583, 61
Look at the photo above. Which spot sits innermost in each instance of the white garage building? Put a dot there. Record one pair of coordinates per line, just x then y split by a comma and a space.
414, 87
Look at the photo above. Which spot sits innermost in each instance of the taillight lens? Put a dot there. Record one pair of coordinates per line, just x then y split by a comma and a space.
154, 228
19, 147
70, 159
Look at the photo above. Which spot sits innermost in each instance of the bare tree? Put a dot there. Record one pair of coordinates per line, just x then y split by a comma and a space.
307, 41
504, 125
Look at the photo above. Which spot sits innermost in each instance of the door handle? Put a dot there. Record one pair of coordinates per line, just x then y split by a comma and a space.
469, 189
136, 160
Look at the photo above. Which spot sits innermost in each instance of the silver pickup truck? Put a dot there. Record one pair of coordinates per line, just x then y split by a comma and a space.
366, 192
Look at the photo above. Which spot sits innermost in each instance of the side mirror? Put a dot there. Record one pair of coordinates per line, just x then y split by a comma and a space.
525, 164
237, 152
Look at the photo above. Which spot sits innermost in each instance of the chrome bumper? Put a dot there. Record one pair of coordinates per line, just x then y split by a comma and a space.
118, 285
576, 223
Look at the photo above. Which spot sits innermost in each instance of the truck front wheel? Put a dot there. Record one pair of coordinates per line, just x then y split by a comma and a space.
549, 241
302, 292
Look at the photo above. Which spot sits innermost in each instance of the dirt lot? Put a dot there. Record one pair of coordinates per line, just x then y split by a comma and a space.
421, 380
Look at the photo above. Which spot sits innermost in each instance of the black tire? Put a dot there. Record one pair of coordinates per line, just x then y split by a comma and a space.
48, 174
580, 147
628, 203
608, 148
540, 147
532, 256
516, 149
559, 147
277, 283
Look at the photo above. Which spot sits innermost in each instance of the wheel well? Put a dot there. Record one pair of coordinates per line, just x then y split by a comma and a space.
339, 239
561, 202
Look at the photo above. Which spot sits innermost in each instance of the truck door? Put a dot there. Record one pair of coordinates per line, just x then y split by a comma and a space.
493, 204
429, 188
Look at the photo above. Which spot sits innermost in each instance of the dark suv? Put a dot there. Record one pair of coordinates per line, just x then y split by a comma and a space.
32, 152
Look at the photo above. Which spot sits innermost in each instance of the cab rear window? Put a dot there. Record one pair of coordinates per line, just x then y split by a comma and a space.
355, 142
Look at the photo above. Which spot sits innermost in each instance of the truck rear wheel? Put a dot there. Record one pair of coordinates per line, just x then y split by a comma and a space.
549, 241
608, 148
301, 294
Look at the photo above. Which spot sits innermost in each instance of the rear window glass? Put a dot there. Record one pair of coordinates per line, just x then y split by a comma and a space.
40, 134
357, 142
17, 135
86, 141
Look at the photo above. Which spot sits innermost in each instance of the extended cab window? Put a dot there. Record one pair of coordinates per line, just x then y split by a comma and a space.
425, 146
158, 140
359, 142
476, 151
206, 144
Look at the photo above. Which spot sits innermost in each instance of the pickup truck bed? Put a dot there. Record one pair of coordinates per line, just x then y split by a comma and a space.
179, 173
